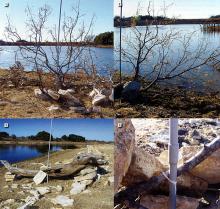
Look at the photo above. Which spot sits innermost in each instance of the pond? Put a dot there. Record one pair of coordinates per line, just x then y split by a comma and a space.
204, 78
102, 57
15, 153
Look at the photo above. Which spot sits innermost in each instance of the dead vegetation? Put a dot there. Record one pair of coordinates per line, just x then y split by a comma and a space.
20, 101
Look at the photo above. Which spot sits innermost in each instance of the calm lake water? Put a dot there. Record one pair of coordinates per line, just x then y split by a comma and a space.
15, 153
102, 57
202, 79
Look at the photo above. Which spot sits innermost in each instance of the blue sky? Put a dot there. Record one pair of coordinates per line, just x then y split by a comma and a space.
179, 8
102, 9
99, 129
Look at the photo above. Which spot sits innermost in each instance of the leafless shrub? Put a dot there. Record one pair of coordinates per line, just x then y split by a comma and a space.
63, 59
16, 74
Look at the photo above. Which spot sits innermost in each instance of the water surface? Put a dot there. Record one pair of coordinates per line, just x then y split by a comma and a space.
102, 58
15, 153
202, 79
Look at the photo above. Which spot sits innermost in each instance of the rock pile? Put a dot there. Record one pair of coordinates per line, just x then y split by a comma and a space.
60, 196
102, 97
65, 97
85, 178
197, 131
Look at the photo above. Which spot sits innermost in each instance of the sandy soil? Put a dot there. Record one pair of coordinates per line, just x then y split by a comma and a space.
100, 196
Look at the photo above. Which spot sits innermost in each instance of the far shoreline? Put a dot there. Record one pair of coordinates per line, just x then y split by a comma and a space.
74, 44
127, 22
40, 142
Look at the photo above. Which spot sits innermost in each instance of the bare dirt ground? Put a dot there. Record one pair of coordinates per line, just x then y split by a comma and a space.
20, 101
99, 195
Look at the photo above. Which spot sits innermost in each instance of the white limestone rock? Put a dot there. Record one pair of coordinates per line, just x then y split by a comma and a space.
54, 95
100, 100
39, 94
53, 108
63, 201
77, 188
89, 176
43, 190
39, 177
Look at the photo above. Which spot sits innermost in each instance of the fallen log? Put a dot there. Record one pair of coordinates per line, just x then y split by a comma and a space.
134, 192
80, 162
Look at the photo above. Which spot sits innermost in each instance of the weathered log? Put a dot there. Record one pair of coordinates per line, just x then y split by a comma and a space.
80, 162
131, 193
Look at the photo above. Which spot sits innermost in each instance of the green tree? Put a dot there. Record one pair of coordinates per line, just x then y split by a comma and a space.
104, 38
76, 138
43, 135
64, 137
4, 135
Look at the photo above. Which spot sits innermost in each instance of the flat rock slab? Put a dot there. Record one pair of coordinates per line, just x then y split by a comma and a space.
63, 201
87, 171
43, 190
77, 188
89, 176
39, 177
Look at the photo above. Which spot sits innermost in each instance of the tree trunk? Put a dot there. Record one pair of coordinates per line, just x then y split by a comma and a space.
137, 70
60, 81
80, 162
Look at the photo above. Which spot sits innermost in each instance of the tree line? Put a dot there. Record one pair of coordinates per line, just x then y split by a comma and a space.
105, 38
143, 20
44, 136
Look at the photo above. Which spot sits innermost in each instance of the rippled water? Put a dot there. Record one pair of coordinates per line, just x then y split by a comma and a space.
204, 78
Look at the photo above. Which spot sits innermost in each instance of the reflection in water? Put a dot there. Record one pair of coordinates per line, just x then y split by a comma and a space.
15, 153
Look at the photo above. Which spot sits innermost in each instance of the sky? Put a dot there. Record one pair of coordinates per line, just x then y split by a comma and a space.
185, 9
92, 129
16, 11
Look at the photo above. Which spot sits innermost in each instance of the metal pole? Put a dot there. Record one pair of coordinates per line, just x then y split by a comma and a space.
48, 154
121, 6
61, 3
173, 160
58, 35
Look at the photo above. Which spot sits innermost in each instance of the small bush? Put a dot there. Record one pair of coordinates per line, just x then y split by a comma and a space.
16, 74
